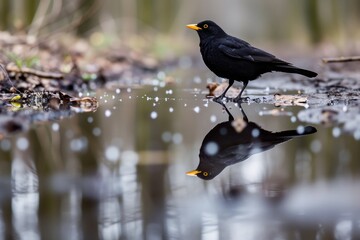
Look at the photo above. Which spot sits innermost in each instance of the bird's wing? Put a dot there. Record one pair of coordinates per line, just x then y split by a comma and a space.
238, 49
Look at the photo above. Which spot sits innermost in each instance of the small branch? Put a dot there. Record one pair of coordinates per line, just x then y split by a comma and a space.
341, 59
40, 74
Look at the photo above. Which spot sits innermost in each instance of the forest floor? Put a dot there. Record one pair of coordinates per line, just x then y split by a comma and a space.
52, 75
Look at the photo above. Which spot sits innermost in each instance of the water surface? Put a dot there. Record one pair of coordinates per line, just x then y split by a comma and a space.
119, 172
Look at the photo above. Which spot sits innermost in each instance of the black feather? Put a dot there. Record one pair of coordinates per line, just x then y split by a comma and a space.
235, 59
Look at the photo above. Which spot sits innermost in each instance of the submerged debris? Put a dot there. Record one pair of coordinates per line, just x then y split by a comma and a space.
341, 59
19, 111
52, 100
290, 100
345, 115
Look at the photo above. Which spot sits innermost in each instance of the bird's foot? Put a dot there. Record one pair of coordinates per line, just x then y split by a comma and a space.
221, 99
241, 100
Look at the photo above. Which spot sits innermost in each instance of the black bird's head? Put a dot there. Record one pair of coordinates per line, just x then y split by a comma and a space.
206, 170
207, 29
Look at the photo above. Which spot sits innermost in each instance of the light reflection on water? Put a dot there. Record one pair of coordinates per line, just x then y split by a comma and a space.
119, 173
25, 197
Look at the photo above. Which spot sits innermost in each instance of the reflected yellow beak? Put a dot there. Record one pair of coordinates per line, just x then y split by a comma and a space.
193, 173
194, 27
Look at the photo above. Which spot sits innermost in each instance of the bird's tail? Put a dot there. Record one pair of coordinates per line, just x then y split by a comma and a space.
296, 133
293, 69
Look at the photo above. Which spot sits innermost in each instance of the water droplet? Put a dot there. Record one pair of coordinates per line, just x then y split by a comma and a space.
166, 136
293, 119
161, 75
223, 131
128, 90
78, 145
197, 109
118, 91
336, 132
357, 134
112, 153
156, 99
22, 144
177, 138
96, 131
171, 109
80, 94
5, 145
107, 113
213, 118
211, 148
90, 119
153, 115
300, 129
255, 132
55, 127
344, 229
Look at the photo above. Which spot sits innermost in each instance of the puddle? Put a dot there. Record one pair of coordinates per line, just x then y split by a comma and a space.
120, 171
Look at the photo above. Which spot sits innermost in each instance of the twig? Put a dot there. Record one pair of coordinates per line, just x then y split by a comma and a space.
341, 59
41, 74
6, 75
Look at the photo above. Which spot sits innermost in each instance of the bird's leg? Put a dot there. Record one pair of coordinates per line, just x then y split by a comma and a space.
231, 118
231, 82
243, 113
238, 98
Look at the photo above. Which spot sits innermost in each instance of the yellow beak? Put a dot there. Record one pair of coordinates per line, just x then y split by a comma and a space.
193, 173
194, 27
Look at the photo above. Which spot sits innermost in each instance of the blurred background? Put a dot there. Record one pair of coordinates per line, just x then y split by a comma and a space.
301, 23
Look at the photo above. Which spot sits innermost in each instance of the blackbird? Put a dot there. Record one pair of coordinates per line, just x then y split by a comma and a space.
232, 58
236, 140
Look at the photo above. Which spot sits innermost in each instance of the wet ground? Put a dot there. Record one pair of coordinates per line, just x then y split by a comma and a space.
120, 172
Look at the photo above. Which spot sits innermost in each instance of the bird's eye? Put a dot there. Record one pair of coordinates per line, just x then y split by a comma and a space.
205, 174
205, 26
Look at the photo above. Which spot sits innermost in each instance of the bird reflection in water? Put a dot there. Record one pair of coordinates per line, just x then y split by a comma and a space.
236, 140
